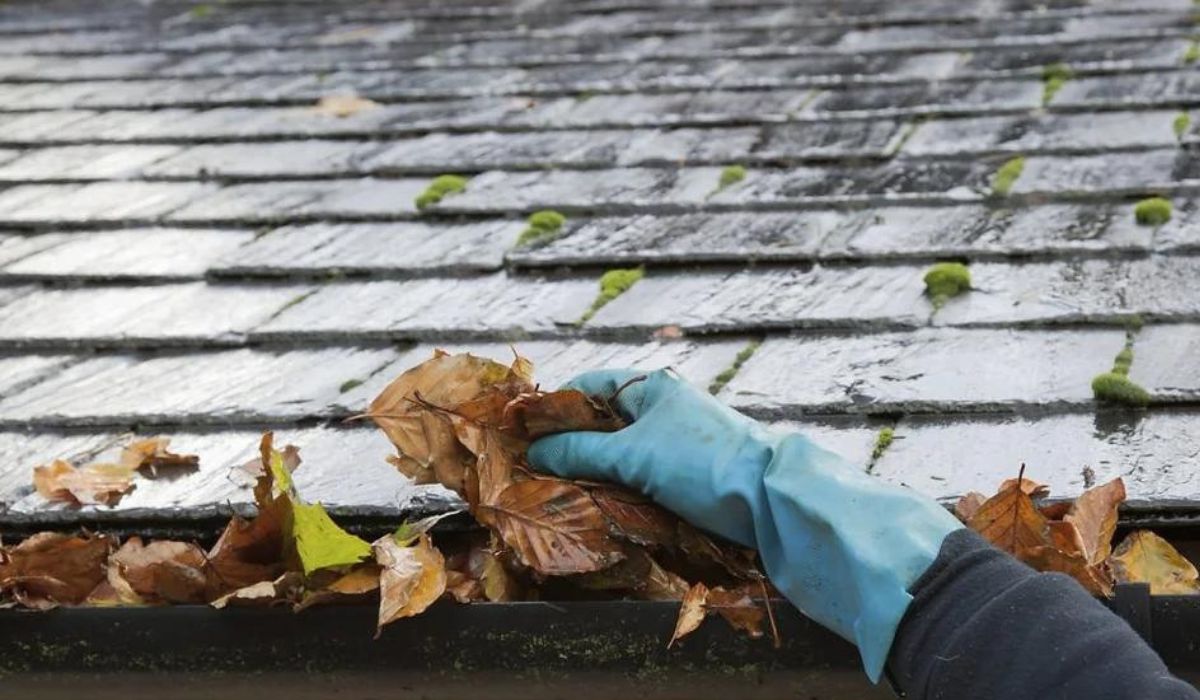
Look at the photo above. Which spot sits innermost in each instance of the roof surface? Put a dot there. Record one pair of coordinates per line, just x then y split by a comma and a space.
189, 248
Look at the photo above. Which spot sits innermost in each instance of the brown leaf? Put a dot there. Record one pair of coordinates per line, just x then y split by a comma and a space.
1055, 511
1144, 557
441, 383
95, 484
247, 552
342, 106
738, 609
554, 527
636, 518
1094, 514
1048, 558
413, 578
1010, 521
151, 457
1031, 488
284, 589
968, 505
691, 613
162, 571
352, 586
537, 414
50, 569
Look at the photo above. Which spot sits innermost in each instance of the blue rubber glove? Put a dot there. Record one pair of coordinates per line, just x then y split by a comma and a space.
843, 546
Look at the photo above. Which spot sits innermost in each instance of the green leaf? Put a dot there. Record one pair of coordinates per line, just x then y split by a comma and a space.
320, 543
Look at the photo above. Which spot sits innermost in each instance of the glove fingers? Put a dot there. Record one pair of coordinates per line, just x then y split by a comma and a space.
577, 455
605, 383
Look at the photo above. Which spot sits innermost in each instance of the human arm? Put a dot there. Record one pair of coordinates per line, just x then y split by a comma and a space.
849, 550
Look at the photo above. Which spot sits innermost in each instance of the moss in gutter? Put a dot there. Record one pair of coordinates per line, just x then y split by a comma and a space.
719, 382
1006, 176
441, 186
1152, 211
1180, 126
883, 441
613, 284
1054, 76
946, 280
542, 225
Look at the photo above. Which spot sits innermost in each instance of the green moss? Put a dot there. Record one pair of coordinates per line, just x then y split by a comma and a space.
349, 384
1123, 361
883, 441
731, 175
1193, 53
441, 186
946, 280
731, 371
1054, 76
1112, 387
613, 284
1006, 176
1180, 126
542, 225
200, 11
1152, 211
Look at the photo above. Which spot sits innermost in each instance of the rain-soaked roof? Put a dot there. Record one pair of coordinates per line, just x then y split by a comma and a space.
190, 247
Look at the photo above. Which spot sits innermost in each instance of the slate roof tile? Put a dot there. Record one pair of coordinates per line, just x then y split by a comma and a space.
188, 247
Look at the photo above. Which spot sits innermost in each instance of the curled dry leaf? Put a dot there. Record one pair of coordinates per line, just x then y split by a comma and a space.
248, 552
412, 578
284, 589
160, 572
95, 484
968, 505
738, 609
1010, 521
50, 569
1094, 515
151, 457
1144, 557
691, 613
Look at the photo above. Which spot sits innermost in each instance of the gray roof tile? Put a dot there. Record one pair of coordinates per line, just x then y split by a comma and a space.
187, 244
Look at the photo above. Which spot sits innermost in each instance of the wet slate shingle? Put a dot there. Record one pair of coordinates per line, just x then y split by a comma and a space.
187, 244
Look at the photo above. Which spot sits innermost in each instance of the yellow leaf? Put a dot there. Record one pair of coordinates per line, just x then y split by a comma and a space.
1144, 557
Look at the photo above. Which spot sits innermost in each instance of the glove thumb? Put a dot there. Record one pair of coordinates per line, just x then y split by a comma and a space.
574, 455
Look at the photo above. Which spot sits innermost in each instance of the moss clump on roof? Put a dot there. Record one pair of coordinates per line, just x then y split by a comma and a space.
441, 186
731, 175
1115, 386
883, 441
542, 225
946, 280
349, 385
613, 284
731, 371
1152, 211
1054, 76
1180, 126
200, 11
1112, 387
1193, 53
1006, 175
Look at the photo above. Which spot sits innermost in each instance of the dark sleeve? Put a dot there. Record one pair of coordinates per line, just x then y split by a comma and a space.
982, 626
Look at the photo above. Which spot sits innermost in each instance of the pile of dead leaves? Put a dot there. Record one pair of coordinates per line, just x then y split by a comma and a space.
1076, 537
466, 422
458, 420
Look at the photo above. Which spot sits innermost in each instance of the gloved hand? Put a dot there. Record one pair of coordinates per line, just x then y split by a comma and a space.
843, 546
